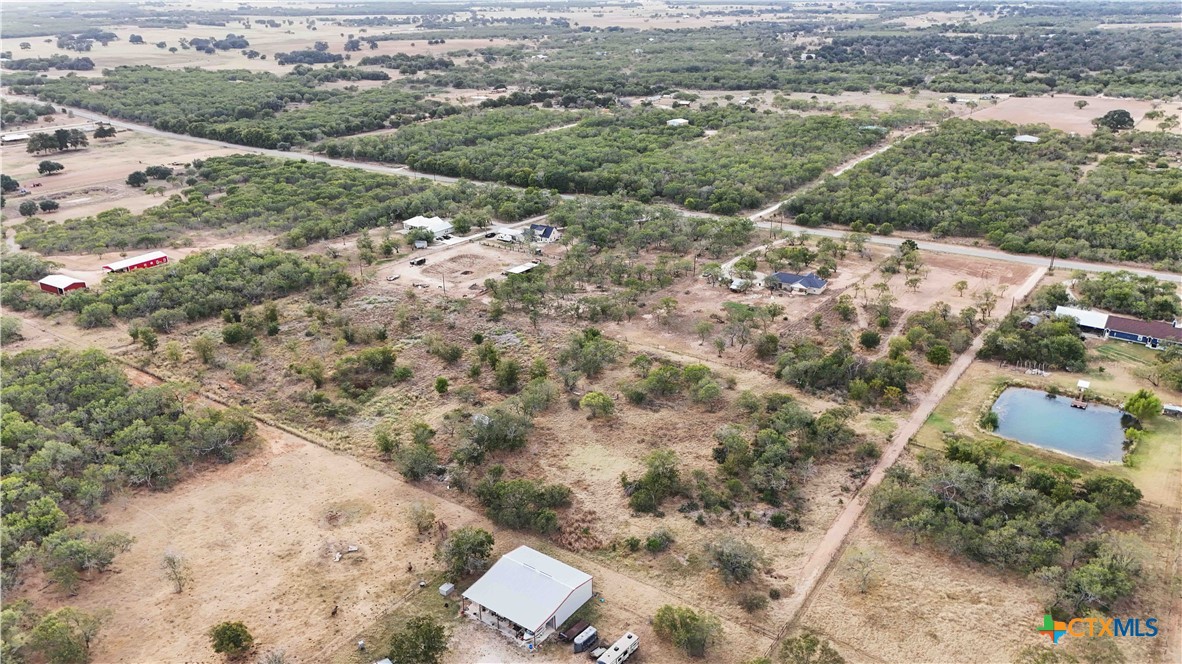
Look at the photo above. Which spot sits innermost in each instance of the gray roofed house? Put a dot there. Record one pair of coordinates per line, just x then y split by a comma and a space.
544, 233
527, 595
807, 283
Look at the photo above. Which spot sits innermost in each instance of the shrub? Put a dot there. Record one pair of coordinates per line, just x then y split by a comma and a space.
231, 639
737, 560
869, 339
659, 541
441, 385
687, 629
466, 552
752, 602
598, 403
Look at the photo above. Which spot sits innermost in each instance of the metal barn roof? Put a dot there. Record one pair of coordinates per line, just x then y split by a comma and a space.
526, 587
60, 281
1084, 317
134, 260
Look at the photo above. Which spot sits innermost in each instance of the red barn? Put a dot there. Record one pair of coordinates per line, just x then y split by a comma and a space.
60, 284
137, 262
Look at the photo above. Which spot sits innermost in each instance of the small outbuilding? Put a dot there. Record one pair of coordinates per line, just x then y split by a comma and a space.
150, 259
526, 595
677, 122
1086, 319
511, 235
1171, 410
1026, 138
60, 284
438, 227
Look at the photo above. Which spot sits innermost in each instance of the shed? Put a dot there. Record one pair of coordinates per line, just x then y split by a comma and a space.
60, 284
438, 227
1026, 138
149, 259
1088, 320
523, 268
511, 235
13, 138
446, 589
526, 595
677, 122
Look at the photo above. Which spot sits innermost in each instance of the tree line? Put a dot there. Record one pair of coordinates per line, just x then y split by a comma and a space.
76, 432
303, 201
971, 179
1039, 520
238, 106
638, 153
199, 286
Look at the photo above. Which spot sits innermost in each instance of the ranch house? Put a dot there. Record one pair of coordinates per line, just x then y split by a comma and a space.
526, 595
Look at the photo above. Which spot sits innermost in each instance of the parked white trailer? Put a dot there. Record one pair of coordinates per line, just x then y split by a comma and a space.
621, 650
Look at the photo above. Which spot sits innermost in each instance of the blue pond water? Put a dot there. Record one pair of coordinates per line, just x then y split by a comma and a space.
1029, 416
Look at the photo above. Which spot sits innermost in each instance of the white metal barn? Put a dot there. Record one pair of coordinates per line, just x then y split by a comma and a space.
527, 595
438, 227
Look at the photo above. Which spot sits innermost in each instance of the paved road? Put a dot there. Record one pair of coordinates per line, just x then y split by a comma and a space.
828, 552
927, 245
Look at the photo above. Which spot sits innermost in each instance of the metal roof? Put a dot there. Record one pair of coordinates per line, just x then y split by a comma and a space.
526, 587
60, 281
433, 224
1144, 328
1084, 317
134, 260
809, 280
1026, 138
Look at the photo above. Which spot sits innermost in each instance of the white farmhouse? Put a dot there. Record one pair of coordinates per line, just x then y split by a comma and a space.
439, 227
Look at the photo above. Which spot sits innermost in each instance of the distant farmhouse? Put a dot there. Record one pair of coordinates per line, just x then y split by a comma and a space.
1152, 334
801, 283
544, 233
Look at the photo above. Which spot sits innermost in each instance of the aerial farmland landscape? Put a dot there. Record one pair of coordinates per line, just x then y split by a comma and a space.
393, 332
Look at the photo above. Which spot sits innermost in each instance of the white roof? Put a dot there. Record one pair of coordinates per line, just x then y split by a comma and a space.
134, 260
60, 281
434, 224
1085, 317
526, 587
1026, 138
677, 122
15, 137
521, 269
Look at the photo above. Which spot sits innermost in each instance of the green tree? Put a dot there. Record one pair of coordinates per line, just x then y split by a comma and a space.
231, 639
148, 338
137, 179
939, 355
8, 184
1115, 120
508, 376
808, 649
1143, 405
27, 208
48, 167
600, 404
1081, 103
48, 205
688, 630
465, 552
65, 636
96, 314
206, 348
441, 384
422, 641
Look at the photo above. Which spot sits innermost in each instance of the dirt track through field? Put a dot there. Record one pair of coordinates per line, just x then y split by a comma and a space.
820, 564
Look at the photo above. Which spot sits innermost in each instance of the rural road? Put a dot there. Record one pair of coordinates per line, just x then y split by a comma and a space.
927, 245
828, 551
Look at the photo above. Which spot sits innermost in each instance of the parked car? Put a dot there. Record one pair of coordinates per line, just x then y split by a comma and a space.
393, 277
418, 261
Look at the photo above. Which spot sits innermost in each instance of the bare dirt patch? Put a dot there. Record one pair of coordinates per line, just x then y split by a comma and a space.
95, 177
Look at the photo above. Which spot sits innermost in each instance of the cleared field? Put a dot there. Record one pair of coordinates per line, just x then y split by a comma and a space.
95, 177
1060, 112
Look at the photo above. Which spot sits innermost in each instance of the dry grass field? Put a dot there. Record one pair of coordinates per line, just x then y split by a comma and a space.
1060, 112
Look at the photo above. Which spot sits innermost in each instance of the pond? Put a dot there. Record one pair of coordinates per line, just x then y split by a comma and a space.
1036, 418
